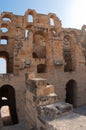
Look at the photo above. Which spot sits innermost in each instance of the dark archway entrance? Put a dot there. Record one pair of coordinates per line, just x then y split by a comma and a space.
71, 92
7, 101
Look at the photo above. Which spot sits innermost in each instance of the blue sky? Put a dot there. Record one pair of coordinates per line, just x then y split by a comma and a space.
72, 13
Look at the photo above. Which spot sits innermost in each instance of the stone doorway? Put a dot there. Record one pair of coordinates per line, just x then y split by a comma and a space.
71, 92
8, 105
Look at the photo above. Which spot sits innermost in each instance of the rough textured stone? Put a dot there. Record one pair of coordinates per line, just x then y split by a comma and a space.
42, 59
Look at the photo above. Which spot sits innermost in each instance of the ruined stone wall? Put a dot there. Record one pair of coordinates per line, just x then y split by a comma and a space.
38, 43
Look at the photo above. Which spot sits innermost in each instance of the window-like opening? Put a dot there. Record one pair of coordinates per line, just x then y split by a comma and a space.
41, 68
35, 55
71, 92
3, 41
4, 30
8, 61
52, 21
3, 66
30, 18
26, 33
6, 19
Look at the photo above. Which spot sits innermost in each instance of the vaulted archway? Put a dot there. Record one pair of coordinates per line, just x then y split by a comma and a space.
8, 103
71, 92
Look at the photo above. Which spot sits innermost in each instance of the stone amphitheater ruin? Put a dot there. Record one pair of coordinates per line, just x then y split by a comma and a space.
45, 70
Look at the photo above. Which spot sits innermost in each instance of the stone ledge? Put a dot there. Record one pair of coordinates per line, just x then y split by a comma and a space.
53, 111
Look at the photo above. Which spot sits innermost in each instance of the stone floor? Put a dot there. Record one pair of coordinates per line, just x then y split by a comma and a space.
75, 120
81, 110
20, 126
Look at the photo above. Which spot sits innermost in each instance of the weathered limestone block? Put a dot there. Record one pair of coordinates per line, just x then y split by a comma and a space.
64, 107
36, 86
49, 89
46, 100
54, 110
40, 82
49, 112
45, 91
40, 86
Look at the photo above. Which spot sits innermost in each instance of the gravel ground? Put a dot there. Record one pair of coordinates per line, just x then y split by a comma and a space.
75, 120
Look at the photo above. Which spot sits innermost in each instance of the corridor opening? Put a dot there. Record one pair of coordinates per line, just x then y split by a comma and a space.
8, 103
71, 92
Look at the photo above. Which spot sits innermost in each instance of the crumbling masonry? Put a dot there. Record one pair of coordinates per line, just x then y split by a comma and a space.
45, 64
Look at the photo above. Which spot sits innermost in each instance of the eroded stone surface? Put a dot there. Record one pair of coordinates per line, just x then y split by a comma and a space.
45, 63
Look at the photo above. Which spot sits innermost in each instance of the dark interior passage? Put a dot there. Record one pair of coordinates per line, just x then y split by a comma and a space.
71, 92
7, 98
41, 68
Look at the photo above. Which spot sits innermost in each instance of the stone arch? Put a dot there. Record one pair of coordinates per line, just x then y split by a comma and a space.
52, 22
7, 17
4, 27
39, 45
7, 98
5, 55
30, 17
69, 54
71, 92
2, 40
3, 65
31, 13
55, 19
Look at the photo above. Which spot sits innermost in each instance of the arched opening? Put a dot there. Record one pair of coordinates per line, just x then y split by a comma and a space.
4, 40
30, 18
3, 66
8, 61
6, 19
41, 68
26, 33
71, 92
52, 21
4, 29
8, 105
